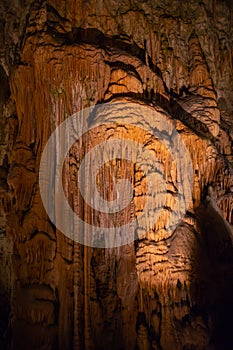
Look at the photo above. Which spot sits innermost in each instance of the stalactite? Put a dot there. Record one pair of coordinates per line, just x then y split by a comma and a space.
151, 293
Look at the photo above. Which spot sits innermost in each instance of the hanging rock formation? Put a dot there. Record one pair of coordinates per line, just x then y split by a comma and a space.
160, 291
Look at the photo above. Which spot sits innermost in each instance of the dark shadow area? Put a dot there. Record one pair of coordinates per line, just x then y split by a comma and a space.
5, 88
217, 297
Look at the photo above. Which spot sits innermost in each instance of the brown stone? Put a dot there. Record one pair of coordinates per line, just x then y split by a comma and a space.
160, 291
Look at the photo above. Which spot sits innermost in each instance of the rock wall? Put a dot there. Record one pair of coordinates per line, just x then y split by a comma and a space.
159, 292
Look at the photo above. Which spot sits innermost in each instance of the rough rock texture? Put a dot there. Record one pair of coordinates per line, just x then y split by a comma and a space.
57, 57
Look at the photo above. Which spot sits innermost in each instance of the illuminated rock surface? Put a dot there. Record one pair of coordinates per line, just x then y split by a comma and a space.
58, 57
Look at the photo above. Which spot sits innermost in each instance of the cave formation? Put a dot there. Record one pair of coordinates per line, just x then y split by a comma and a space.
163, 289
